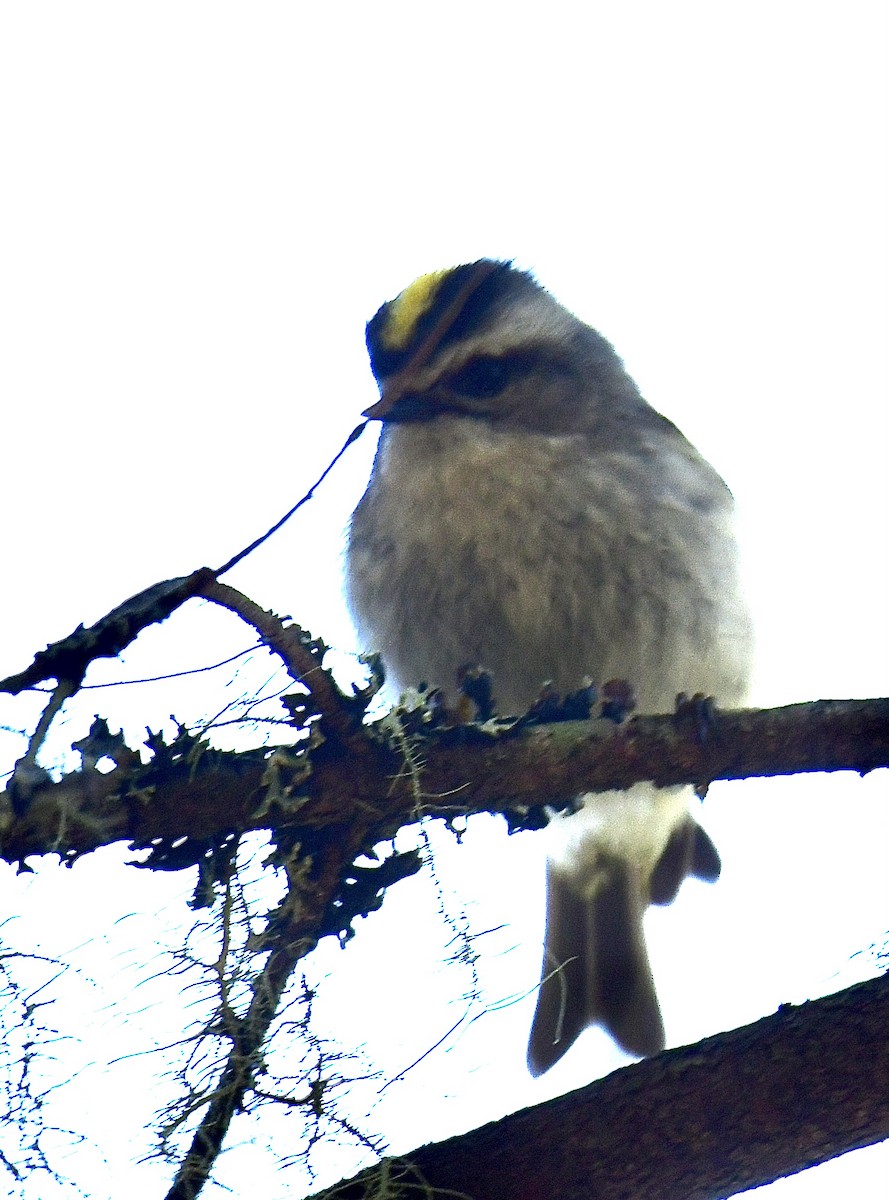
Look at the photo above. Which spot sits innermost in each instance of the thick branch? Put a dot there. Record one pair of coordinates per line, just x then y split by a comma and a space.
733, 1112
462, 772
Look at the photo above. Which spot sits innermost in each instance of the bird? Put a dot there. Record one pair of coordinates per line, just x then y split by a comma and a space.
528, 511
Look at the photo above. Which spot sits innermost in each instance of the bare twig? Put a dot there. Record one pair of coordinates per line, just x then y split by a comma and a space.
293, 931
300, 653
242, 554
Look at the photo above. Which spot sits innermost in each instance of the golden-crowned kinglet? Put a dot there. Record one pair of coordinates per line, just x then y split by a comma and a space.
528, 511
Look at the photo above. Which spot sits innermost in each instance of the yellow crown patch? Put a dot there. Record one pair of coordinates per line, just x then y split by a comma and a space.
408, 307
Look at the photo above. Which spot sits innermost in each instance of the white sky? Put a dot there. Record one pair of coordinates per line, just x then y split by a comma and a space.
201, 206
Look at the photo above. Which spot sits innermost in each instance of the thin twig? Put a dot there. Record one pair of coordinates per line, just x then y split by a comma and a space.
242, 554
294, 647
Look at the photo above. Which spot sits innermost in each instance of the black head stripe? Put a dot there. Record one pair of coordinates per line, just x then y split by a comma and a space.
387, 361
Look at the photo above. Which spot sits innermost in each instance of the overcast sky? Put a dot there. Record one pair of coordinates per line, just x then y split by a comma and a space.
201, 206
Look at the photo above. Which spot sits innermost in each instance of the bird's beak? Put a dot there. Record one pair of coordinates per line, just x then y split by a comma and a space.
379, 411
400, 402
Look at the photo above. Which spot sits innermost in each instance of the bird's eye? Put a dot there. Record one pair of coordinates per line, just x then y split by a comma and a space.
482, 378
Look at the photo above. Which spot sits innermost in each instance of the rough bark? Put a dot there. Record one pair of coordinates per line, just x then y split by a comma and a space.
363, 778
698, 1123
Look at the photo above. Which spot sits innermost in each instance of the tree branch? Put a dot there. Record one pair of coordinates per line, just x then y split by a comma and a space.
331, 800
733, 1112
346, 787
463, 771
